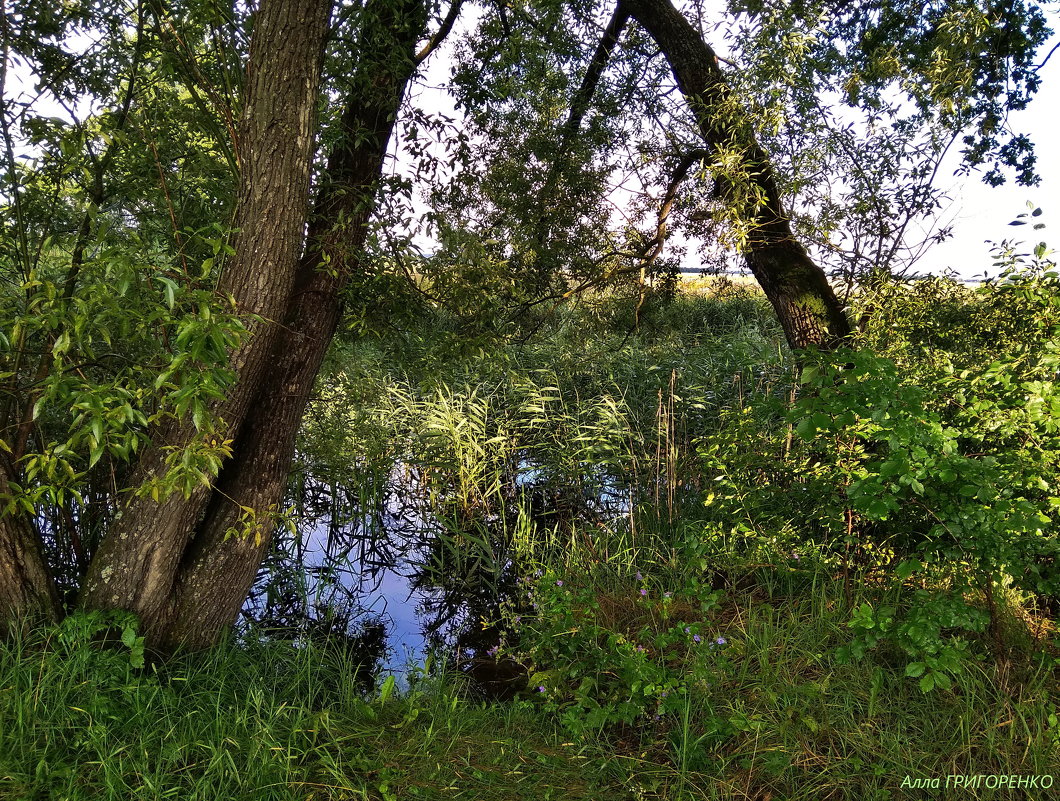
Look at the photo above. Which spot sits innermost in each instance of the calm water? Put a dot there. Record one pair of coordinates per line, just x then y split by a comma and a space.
386, 559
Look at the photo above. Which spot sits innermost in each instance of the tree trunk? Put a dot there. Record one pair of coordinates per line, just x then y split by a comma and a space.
797, 287
135, 566
222, 562
27, 591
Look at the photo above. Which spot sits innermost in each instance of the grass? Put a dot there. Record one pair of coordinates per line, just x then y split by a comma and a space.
257, 722
777, 717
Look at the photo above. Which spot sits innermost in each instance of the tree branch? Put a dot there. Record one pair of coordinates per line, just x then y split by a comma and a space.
441, 33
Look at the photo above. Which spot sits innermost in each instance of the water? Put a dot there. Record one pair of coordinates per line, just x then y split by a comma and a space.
389, 557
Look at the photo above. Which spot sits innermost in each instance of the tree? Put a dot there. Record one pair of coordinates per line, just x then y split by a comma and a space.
191, 524
134, 567
218, 569
824, 125
806, 306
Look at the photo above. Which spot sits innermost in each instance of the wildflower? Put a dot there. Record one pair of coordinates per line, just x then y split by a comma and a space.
697, 638
493, 651
687, 630
641, 649
559, 583
541, 688
720, 641
639, 576
518, 618
643, 592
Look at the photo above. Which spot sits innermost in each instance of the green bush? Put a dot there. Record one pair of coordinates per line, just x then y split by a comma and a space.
936, 468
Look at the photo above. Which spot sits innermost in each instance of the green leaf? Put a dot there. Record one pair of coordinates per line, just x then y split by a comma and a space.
878, 509
907, 568
806, 429
170, 289
927, 682
914, 669
386, 690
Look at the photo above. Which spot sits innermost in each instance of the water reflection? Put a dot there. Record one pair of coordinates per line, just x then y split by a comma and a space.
407, 566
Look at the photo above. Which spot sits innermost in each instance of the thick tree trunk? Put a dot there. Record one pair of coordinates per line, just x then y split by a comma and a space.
222, 561
27, 591
804, 302
135, 566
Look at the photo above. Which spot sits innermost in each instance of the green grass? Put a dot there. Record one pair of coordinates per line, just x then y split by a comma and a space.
788, 720
264, 722
778, 717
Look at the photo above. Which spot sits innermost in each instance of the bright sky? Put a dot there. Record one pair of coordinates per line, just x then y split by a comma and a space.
981, 213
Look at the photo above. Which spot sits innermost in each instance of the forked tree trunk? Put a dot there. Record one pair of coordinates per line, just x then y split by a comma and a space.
221, 563
806, 306
135, 566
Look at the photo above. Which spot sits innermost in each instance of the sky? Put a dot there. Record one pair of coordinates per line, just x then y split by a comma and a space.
980, 213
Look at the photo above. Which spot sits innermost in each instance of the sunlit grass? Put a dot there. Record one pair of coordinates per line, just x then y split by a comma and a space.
778, 717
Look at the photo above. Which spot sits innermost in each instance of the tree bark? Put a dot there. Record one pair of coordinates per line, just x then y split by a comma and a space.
27, 591
808, 309
135, 566
221, 564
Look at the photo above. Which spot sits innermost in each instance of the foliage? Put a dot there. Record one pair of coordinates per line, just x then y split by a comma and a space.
773, 712
931, 463
608, 658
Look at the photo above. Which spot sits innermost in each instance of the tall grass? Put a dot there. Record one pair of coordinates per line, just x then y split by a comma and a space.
773, 714
591, 424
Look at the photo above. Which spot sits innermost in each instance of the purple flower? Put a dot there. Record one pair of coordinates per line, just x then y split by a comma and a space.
518, 618
720, 641
687, 630
640, 649
541, 688
639, 576
559, 583
493, 651
643, 592
697, 638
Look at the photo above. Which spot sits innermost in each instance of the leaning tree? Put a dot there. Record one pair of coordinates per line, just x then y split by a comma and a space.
806, 143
